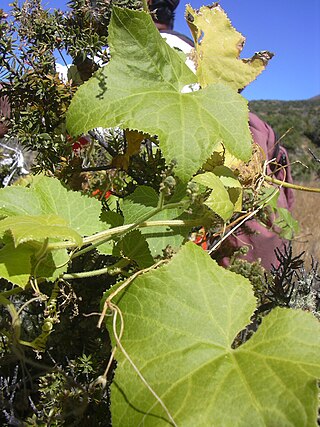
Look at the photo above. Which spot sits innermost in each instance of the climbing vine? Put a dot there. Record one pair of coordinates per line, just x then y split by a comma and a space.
157, 154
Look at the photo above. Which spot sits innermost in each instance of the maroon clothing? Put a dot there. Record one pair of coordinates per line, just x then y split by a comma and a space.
4, 113
263, 241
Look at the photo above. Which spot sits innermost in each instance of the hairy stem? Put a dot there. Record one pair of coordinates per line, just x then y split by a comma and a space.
293, 186
111, 269
106, 235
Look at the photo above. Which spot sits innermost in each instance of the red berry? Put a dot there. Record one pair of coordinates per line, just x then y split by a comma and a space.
96, 192
83, 140
76, 147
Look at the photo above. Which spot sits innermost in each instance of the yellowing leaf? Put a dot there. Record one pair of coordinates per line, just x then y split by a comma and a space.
134, 139
218, 46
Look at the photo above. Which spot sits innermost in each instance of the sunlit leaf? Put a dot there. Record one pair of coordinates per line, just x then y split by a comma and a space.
19, 201
80, 212
180, 322
45, 210
232, 185
15, 263
38, 227
219, 199
143, 87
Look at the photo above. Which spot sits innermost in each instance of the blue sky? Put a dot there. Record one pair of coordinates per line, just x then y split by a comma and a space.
288, 28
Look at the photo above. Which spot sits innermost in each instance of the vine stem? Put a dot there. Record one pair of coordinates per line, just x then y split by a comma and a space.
15, 320
246, 218
145, 6
129, 227
106, 235
289, 185
124, 285
13, 291
115, 268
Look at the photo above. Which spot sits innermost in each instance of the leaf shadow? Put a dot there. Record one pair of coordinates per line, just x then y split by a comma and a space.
140, 411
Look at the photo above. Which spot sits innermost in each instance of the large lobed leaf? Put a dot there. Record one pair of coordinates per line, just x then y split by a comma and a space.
47, 196
218, 46
180, 322
143, 88
31, 215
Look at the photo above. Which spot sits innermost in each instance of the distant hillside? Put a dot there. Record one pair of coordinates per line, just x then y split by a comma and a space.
298, 123
315, 98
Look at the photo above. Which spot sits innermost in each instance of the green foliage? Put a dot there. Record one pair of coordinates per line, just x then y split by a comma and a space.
219, 199
31, 37
179, 321
141, 203
44, 213
288, 226
154, 102
182, 348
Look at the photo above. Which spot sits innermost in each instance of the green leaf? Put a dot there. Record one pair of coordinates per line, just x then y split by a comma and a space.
26, 228
219, 199
46, 196
284, 220
269, 197
289, 226
143, 201
232, 184
19, 201
111, 218
143, 88
15, 264
218, 46
44, 210
80, 212
135, 247
55, 264
179, 325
